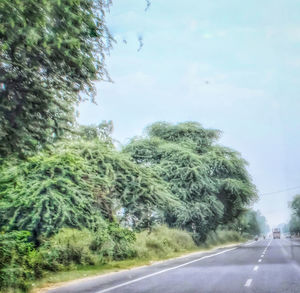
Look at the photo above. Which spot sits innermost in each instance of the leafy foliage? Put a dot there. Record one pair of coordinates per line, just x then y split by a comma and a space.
162, 242
102, 132
21, 263
135, 191
250, 223
221, 236
15, 253
294, 224
84, 247
77, 185
49, 52
262, 222
295, 205
46, 193
210, 181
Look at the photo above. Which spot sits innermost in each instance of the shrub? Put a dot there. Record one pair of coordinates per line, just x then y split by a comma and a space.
15, 252
222, 236
67, 247
123, 241
163, 241
84, 247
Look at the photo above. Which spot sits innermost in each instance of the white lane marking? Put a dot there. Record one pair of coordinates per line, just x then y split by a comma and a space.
255, 268
262, 256
248, 283
265, 250
249, 243
163, 271
259, 260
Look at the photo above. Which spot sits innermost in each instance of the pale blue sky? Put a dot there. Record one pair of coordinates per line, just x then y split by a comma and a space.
228, 64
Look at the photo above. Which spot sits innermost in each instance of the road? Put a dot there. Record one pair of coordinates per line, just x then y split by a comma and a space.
268, 265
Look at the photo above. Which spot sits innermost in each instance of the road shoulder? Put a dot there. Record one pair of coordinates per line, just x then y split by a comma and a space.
47, 285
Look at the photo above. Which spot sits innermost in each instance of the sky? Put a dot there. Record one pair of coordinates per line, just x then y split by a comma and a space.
229, 64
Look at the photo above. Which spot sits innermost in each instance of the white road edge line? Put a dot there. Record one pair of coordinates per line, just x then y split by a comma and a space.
248, 283
255, 268
259, 260
262, 256
249, 243
163, 271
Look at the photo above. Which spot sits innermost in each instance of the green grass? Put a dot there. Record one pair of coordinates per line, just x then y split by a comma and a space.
92, 270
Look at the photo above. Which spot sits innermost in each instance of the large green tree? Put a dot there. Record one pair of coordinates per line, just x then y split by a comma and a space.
78, 184
295, 205
294, 223
50, 51
210, 181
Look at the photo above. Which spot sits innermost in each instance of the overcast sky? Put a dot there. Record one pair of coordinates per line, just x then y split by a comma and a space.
229, 64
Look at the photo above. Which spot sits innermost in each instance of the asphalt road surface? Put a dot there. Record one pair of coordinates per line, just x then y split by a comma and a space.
262, 266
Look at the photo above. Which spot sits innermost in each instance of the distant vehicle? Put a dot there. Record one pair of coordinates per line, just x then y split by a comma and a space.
256, 238
276, 233
288, 236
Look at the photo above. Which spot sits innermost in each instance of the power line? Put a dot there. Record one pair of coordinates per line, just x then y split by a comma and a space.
283, 190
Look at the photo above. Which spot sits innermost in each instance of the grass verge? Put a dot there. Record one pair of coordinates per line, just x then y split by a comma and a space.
53, 280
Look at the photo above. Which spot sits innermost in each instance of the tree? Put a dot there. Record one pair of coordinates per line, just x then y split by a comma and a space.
295, 205
294, 224
135, 191
262, 223
284, 228
78, 184
250, 223
50, 52
47, 192
210, 181
102, 131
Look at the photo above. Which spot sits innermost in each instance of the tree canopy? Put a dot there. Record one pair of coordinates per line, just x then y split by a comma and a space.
78, 185
50, 52
294, 223
209, 180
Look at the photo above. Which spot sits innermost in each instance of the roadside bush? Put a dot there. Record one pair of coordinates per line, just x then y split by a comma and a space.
67, 247
15, 260
162, 241
123, 242
84, 247
222, 236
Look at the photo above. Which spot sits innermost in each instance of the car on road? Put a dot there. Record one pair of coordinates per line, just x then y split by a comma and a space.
256, 238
